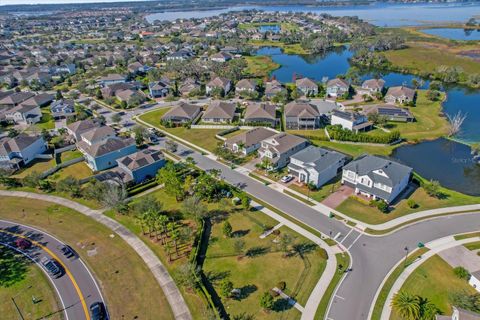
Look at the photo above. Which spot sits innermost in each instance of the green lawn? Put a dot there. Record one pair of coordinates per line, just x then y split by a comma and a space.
434, 279
322, 193
47, 121
70, 155
38, 165
472, 245
263, 272
260, 66
35, 283
118, 268
79, 170
360, 211
354, 150
429, 124
467, 235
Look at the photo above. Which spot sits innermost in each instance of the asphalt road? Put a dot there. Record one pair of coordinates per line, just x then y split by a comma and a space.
76, 287
372, 256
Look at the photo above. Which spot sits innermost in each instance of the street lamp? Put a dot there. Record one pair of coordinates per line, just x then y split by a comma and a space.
15, 304
406, 256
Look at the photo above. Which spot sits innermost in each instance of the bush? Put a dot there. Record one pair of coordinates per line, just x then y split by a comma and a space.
274, 293
411, 204
461, 273
266, 300
380, 204
281, 285
336, 132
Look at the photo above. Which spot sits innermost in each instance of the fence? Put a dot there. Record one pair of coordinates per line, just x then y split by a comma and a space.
66, 148
60, 166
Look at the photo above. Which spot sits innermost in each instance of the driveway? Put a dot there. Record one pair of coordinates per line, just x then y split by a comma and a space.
461, 256
336, 198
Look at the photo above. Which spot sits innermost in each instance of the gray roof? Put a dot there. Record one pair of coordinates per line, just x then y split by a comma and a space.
98, 133
141, 159
338, 83
250, 137
106, 146
367, 164
218, 82
318, 158
16, 98
81, 126
401, 91
183, 110
306, 83
301, 109
246, 84
220, 110
39, 100
16, 144
373, 84
260, 110
283, 142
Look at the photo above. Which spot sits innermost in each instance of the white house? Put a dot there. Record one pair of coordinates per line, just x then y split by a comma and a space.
20, 150
376, 177
475, 280
24, 114
222, 83
278, 148
350, 120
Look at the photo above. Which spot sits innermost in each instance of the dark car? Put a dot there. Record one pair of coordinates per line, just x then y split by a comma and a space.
52, 267
97, 310
23, 244
67, 251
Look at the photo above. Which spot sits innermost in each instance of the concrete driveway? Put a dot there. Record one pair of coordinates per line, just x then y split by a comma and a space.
336, 198
461, 256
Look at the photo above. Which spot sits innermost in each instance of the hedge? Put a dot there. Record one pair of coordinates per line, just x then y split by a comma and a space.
338, 133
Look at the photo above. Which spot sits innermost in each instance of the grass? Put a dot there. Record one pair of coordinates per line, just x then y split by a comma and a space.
472, 245
343, 260
354, 150
70, 155
257, 177
38, 165
321, 193
430, 123
204, 138
261, 273
363, 212
467, 235
46, 122
307, 202
79, 170
36, 284
434, 279
287, 48
118, 268
310, 134
260, 66
382, 297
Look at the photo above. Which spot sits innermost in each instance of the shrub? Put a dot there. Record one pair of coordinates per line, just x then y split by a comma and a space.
338, 133
461, 273
227, 229
380, 204
411, 204
266, 300
281, 285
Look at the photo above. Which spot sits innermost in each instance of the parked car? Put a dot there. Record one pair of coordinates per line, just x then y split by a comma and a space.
287, 178
51, 266
98, 312
22, 243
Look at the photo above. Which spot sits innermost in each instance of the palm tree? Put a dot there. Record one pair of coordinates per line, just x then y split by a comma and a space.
407, 306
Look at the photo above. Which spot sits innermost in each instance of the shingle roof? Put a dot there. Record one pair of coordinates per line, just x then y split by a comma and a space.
83, 125
141, 159
401, 91
220, 110
250, 137
98, 133
16, 144
260, 110
16, 98
183, 110
297, 109
337, 82
318, 158
305, 83
106, 146
283, 142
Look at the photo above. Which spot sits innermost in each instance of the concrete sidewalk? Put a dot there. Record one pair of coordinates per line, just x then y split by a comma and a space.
174, 297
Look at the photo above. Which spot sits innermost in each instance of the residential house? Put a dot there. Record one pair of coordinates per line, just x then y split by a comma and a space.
352, 121
261, 114
16, 98
102, 154
111, 89
372, 86
63, 108
111, 79
400, 94
302, 115
337, 87
459, 314
474, 280
24, 114
219, 83
306, 86
376, 177
158, 89
182, 54
142, 165
316, 166
40, 100
128, 95
97, 134
390, 112
182, 113
248, 141
246, 85
219, 111
273, 88
20, 150
278, 149
76, 129
221, 57
188, 86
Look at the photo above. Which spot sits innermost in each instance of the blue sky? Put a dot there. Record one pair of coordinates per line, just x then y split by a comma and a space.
5, 2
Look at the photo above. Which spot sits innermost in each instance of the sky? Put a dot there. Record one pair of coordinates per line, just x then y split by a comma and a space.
5, 2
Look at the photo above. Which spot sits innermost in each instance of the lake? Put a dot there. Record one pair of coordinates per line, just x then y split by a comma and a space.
454, 33
380, 14
449, 162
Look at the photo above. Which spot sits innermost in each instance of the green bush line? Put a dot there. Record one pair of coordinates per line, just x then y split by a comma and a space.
339, 134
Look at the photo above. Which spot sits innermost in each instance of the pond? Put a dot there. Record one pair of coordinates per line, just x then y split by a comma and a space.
269, 28
449, 162
454, 33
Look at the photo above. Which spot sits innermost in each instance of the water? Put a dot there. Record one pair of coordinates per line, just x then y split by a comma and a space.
269, 28
467, 101
454, 33
449, 162
380, 14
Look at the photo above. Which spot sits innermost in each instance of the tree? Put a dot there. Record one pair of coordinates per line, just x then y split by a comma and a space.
407, 306
94, 190
461, 273
466, 301
193, 206
173, 185
428, 310
116, 118
266, 301
114, 196
32, 180
58, 95
187, 275
243, 316
227, 229
14, 268
226, 288
285, 241
432, 188
148, 203
140, 134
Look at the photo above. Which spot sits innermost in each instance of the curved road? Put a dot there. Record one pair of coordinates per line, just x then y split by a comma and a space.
372, 256
76, 287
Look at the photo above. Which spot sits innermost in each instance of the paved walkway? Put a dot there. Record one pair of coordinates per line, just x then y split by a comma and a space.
435, 247
317, 294
173, 295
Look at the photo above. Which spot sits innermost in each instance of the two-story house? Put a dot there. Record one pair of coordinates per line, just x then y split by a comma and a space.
142, 165
20, 150
277, 149
261, 113
376, 177
248, 141
223, 84
24, 114
158, 89
372, 86
306, 86
352, 121
302, 115
317, 166
75, 129
337, 87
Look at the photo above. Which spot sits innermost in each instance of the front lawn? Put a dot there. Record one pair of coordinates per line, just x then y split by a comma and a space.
262, 270
434, 279
31, 282
360, 211
321, 193
47, 122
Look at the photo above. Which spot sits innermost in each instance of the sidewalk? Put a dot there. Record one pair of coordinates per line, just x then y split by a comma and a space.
435, 247
175, 299
317, 293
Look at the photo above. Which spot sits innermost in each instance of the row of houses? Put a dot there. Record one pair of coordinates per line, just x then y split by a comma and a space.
371, 176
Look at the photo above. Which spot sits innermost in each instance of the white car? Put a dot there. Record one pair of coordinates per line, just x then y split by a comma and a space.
287, 178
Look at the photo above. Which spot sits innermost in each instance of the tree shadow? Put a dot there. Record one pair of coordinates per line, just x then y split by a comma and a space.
213, 276
257, 251
246, 291
240, 233
281, 305
301, 249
